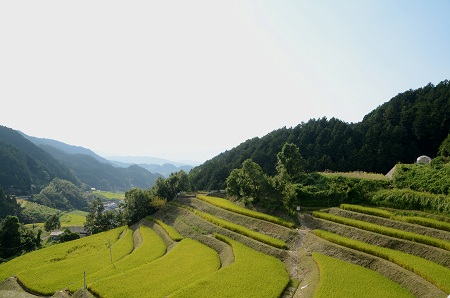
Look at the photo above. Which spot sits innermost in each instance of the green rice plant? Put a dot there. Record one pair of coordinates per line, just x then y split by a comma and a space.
36, 212
434, 273
69, 273
241, 229
228, 205
187, 262
384, 230
341, 279
62, 265
357, 174
152, 248
253, 274
425, 221
75, 218
109, 195
169, 229
367, 210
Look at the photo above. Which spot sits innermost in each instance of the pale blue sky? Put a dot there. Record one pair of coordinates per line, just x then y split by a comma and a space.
187, 80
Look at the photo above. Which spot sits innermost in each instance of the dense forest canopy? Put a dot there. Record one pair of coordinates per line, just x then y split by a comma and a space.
411, 124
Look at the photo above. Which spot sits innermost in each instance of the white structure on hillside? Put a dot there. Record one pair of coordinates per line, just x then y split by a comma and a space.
423, 160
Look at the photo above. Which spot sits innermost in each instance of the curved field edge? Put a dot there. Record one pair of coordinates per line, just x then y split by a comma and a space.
228, 205
411, 281
253, 274
151, 248
341, 279
415, 219
432, 272
173, 233
269, 228
187, 262
173, 214
68, 273
237, 228
396, 224
384, 230
431, 253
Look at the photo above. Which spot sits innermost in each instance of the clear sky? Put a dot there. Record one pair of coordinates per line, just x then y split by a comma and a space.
187, 80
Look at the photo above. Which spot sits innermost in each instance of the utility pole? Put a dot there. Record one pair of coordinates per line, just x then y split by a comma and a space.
110, 252
84, 288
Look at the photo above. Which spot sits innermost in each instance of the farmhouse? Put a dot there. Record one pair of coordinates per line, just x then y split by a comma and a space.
55, 235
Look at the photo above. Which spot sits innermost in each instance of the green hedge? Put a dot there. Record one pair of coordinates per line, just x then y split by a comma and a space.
411, 200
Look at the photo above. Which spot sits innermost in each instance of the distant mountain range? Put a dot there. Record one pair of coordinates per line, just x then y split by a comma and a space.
28, 164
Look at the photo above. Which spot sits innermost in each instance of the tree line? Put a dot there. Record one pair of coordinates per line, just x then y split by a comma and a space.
411, 124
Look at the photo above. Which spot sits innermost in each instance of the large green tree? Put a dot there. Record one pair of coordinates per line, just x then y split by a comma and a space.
290, 163
137, 205
52, 223
10, 237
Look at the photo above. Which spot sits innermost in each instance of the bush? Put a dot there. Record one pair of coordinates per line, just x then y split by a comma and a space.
411, 200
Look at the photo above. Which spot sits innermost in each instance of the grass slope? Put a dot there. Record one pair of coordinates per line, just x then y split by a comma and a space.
187, 262
253, 274
432, 272
62, 265
341, 279
152, 248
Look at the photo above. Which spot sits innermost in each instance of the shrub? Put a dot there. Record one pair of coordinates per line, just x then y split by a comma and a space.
412, 200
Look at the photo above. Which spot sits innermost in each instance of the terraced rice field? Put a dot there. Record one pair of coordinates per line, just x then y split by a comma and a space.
410, 246
209, 247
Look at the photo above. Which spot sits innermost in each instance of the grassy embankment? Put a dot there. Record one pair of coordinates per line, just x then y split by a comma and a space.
63, 265
341, 279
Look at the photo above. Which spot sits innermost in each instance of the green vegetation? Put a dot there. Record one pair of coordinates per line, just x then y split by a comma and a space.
385, 230
152, 248
356, 174
173, 234
240, 229
367, 210
342, 279
432, 178
416, 219
109, 195
62, 265
411, 200
76, 218
187, 262
253, 274
434, 273
412, 123
427, 222
34, 212
228, 205
63, 195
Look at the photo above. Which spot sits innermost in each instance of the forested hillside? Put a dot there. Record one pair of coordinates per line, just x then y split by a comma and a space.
411, 124
26, 168
101, 175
